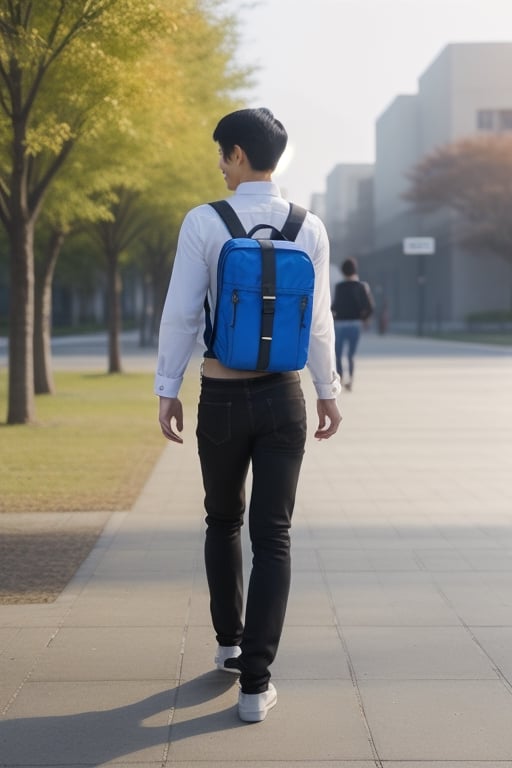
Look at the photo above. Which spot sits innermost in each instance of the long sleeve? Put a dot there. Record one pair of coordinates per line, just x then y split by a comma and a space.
321, 360
182, 314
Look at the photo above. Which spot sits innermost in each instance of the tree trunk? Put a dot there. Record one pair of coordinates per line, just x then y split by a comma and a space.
43, 374
114, 312
21, 404
148, 311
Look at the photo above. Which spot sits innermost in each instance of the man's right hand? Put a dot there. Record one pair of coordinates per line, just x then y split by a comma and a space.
170, 408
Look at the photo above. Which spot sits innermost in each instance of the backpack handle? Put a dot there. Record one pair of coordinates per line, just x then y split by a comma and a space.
275, 234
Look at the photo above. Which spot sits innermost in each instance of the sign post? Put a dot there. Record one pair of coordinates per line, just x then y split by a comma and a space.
420, 247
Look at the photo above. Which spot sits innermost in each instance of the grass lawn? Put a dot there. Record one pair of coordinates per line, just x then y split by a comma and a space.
93, 447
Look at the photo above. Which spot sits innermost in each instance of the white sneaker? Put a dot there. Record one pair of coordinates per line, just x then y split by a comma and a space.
226, 656
253, 707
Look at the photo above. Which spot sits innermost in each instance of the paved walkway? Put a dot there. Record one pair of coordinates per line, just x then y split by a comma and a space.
397, 650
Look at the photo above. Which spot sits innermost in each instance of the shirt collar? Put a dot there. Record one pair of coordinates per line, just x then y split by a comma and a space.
258, 188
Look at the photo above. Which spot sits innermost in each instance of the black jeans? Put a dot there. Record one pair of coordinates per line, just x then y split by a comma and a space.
259, 421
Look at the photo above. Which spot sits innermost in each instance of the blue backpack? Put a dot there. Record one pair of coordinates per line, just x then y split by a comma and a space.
264, 297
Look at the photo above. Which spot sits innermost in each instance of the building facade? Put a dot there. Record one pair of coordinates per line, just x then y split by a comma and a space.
466, 91
348, 210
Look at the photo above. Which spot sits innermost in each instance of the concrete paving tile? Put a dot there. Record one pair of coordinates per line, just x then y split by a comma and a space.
368, 560
121, 606
500, 532
18, 659
120, 764
333, 537
170, 530
499, 581
387, 599
11, 682
310, 653
309, 603
382, 543
173, 541
439, 720
497, 643
478, 598
199, 649
65, 724
425, 539
489, 559
447, 559
416, 653
278, 763
304, 558
7, 634
47, 615
468, 537
199, 611
447, 764
349, 560
139, 563
112, 653
289, 733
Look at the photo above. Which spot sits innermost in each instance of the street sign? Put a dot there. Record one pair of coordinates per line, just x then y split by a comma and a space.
419, 245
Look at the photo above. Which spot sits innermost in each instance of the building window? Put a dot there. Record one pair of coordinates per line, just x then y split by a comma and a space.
505, 120
494, 120
485, 120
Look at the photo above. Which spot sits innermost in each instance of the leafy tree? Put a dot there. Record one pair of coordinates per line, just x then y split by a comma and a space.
72, 55
76, 197
174, 164
114, 237
474, 178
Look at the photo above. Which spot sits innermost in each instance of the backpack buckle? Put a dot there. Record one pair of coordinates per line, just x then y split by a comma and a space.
269, 303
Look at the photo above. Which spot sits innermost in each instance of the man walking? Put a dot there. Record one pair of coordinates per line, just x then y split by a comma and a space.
246, 418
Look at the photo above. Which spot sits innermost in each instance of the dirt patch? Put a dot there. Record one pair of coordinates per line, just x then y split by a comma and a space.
39, 554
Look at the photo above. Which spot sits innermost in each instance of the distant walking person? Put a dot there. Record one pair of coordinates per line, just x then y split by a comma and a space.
353, 304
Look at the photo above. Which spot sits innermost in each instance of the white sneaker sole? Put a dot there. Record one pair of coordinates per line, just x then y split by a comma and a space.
250, 712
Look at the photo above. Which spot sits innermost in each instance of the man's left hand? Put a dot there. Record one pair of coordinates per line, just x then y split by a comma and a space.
171, 409
329, 419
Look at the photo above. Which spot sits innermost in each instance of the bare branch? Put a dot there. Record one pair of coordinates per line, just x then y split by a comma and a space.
56, 24
28, 14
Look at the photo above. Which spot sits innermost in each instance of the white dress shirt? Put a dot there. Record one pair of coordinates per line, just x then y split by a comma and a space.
201, 238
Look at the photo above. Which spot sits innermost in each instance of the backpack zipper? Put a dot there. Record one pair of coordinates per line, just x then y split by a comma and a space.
303, 307
234, 301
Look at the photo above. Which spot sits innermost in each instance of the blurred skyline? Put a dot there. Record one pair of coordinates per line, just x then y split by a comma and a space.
328, 69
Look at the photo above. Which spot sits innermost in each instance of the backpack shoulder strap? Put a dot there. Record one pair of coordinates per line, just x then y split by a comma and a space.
290, 230
229, 218
293, 223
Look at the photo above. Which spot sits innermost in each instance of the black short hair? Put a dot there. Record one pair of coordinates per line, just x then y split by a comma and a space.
349, 267
257, 132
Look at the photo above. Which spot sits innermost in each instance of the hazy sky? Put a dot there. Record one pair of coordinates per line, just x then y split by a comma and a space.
328, 68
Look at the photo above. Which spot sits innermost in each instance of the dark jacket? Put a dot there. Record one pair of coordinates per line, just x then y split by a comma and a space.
352, 301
